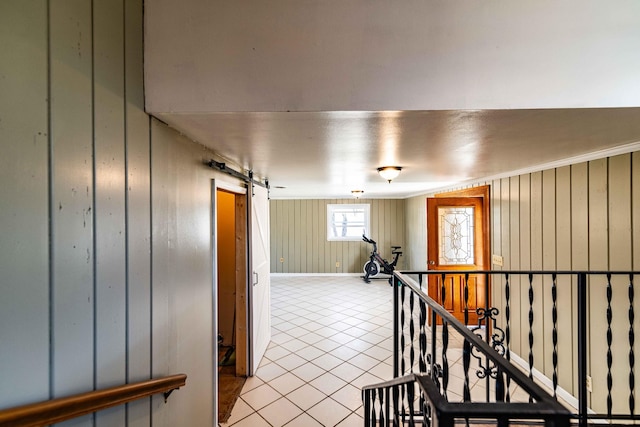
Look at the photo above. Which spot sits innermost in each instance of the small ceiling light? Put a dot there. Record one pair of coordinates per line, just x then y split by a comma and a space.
357, 193
389, 172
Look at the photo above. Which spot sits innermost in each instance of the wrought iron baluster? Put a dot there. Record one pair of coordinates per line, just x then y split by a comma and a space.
367, 407
410, 398
396, 404
387, 406
507, 312
499, 385
554, 333
373, 407
466, 359
530, 329
412, 330
382, 403
402, 340
445, 360
609, 342
632, 357
403, 411
466, 299
423, 337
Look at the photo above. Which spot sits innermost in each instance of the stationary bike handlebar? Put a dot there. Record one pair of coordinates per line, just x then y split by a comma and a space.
373, 242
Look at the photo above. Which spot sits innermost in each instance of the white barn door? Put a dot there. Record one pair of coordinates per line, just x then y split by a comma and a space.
260, 286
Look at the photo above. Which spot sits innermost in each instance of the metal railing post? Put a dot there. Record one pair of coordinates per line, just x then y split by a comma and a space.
396, 333
582, 349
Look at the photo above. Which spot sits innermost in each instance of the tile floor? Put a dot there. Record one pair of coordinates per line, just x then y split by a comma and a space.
330, 337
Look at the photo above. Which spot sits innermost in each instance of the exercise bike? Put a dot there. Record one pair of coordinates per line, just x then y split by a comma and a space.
377, 264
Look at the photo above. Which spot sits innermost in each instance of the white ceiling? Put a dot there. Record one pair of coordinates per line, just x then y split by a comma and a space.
316, 95
326, 155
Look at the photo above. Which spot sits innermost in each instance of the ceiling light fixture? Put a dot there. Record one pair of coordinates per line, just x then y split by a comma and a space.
357, 193
389, 172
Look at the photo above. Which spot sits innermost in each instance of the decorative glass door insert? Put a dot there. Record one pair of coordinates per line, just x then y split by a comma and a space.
456, 235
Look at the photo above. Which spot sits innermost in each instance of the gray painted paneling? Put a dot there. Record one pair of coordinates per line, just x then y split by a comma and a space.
79, 316
109, 209
24, 245
138, 187
299, 235
72, 195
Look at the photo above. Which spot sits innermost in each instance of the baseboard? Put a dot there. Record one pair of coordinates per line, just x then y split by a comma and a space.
547, 383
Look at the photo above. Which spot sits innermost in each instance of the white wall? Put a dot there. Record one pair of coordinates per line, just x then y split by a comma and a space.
371, 55
105, 247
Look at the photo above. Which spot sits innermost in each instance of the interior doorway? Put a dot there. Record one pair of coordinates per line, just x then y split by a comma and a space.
232, 331
459, 239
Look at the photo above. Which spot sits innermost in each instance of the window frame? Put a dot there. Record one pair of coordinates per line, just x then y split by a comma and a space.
332, 208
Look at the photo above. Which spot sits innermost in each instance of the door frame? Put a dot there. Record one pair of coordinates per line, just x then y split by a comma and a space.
241, 278
483, 192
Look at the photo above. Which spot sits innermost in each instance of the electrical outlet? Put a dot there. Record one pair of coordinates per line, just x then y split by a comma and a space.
589, 384
281, 259
337, 264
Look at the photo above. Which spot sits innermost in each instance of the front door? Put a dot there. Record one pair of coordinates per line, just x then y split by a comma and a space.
455, 233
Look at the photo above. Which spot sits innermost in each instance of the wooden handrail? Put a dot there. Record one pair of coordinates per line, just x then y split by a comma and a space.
65, 408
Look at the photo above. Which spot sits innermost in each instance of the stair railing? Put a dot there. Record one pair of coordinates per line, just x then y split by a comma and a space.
420, 394
65, 408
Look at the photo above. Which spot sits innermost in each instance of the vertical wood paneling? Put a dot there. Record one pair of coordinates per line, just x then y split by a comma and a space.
536, 264
635, 207
635, 226
298, 235
548, 260
620, 258
80, 315
24, 254
298, 229
275, 259
525, 257
138, 216
161, 243
109, 150
598, 260
72, 216
415, 225
566, 315
505, 249
514, 255
316, 235
579, 231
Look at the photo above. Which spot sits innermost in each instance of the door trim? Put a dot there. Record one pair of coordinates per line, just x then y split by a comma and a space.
483, 191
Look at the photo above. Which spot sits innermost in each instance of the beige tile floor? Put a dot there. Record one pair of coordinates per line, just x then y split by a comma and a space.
330, 337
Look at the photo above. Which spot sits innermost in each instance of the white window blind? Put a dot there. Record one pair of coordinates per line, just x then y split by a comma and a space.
347, 222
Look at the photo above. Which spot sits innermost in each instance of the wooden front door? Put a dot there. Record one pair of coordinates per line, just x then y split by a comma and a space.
456, 241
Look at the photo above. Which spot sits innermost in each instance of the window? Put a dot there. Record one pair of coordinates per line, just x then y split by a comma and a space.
347, 222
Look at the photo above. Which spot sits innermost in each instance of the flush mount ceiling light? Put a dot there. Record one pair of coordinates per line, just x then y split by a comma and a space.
389, 172
357, 193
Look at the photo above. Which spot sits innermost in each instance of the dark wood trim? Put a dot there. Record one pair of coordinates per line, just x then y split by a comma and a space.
65, 408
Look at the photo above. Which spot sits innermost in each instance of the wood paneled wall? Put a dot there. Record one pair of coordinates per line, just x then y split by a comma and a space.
299, 236
105, 243
579, 217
